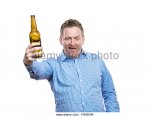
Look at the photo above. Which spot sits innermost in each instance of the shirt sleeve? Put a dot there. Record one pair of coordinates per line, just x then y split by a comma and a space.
108, 91
40, 70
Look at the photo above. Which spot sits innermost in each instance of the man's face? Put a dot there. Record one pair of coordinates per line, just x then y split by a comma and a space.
72, 41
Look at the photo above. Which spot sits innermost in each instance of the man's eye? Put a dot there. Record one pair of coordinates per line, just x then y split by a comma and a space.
77, 38
67, 39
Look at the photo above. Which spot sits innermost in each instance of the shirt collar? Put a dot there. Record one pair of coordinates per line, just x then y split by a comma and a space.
63, 57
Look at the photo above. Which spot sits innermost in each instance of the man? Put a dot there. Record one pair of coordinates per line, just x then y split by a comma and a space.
79, 82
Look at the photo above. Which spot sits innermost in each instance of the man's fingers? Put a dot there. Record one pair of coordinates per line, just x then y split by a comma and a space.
31, 59
33, 49
35, 55
30, 46
34, 44
32, 53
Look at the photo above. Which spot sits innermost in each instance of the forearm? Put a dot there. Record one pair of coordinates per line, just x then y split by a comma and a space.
39, 70
32, 72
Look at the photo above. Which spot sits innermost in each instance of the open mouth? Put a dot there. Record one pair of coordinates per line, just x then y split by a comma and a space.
72, 48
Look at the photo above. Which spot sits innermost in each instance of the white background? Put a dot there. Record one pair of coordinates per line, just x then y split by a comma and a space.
117, 26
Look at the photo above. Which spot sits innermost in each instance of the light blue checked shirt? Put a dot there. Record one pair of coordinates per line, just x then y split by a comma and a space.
81, 84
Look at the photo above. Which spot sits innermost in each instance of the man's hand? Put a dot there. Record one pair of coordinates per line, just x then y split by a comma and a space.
32, 53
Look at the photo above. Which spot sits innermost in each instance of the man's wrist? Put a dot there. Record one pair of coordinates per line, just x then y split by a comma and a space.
27, 64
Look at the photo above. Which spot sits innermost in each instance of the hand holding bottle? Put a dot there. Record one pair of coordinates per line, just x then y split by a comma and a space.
34, 50
32, 53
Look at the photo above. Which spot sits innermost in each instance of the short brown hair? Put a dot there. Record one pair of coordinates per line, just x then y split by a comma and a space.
71, 23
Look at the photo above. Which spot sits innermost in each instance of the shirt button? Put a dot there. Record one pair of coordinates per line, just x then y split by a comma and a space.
81, 91
80, 80
83, 103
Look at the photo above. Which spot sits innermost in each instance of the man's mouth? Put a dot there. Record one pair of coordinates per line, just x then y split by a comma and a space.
72, 48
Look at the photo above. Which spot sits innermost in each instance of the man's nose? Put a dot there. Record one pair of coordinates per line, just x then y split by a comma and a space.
72, 42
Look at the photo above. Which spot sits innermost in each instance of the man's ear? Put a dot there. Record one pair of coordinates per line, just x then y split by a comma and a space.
60, 40
83, 39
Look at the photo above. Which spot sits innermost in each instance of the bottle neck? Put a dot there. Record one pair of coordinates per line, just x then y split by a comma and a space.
33, 23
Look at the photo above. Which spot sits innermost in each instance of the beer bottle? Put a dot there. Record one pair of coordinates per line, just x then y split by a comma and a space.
34, 35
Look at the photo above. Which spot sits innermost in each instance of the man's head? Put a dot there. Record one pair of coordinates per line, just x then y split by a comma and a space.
72, 37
